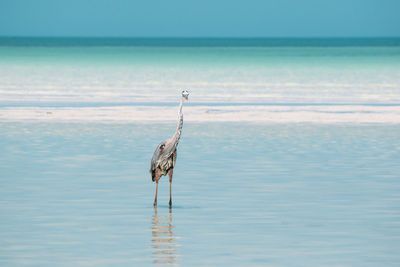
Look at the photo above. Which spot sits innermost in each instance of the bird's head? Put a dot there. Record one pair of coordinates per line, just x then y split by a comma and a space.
185, 95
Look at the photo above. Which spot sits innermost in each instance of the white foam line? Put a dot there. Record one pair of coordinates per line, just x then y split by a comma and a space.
262, 114
125, 97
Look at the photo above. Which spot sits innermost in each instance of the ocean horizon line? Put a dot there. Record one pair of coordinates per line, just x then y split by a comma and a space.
60, 41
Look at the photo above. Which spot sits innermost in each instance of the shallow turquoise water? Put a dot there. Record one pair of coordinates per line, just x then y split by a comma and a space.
153, 74
244, 194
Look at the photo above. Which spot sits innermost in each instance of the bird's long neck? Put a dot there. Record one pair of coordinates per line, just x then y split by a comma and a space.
178, 132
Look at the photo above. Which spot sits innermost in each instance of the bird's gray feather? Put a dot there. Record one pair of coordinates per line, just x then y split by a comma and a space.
164, 158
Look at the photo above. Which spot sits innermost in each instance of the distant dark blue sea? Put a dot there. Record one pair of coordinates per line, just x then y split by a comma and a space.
199, 42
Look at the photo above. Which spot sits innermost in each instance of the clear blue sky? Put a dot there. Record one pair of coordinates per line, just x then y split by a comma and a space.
200, 18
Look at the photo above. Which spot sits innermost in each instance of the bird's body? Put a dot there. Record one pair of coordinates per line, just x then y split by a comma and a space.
164, 157
162, 160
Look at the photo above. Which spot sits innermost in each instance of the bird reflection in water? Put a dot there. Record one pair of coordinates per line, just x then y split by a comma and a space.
163, 239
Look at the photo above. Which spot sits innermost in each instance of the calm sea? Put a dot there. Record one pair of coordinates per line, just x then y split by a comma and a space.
289, 155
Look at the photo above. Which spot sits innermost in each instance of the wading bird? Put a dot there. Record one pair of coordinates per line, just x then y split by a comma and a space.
164, 157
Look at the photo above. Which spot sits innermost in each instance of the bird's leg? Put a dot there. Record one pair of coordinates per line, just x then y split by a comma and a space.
170, 172
155, 199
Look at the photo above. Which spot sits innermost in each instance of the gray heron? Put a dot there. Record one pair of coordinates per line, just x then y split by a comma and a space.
164, 157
